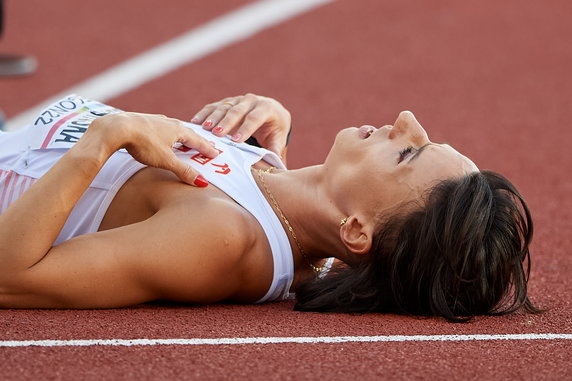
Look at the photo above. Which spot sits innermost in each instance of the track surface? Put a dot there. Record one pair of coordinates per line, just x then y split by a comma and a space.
491, 78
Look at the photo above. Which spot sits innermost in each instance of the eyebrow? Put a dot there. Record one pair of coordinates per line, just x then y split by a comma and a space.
419, 152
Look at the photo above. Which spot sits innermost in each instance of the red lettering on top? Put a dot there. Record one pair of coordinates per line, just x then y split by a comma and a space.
183, 148
224, 168
201, 159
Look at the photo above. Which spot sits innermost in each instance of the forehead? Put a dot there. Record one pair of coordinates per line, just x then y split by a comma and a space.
439, 162
455, 158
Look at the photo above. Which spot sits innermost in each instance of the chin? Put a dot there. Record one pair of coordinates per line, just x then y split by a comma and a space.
340, 142
347, 134
347, 144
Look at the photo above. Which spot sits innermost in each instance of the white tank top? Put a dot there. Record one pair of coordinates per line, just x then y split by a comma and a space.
27, 154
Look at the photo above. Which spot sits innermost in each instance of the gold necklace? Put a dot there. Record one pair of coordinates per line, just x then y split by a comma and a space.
317, 270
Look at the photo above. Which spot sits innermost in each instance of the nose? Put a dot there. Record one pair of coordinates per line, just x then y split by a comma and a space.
406, 124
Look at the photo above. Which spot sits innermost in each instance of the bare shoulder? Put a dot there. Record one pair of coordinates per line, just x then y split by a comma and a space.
203, 225
221, 247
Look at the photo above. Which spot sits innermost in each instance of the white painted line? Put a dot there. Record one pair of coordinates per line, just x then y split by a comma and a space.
282, 340
191, 46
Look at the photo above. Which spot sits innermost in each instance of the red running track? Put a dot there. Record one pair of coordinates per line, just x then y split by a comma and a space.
491, 78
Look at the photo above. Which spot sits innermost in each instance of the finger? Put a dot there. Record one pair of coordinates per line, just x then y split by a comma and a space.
208, 115
212, 121
192, 140
252, 122
236, 114
201, 116
236, 117
186, 173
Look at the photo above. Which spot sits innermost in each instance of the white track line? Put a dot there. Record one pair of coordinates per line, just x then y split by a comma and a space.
282, 340
191, 46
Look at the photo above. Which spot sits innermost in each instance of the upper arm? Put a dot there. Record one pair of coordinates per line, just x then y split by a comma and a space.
172, 255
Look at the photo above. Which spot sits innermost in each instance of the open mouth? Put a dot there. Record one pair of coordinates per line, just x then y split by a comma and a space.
366, 131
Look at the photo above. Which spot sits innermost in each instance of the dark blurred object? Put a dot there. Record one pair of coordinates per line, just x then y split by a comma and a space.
14, 64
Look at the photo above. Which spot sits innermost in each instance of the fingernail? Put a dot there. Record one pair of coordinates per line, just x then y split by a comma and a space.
208, 123
200, 181
195, 120
236, 137
217, 129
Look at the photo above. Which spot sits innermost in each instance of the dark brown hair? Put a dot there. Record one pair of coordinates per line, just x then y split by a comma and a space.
463, 253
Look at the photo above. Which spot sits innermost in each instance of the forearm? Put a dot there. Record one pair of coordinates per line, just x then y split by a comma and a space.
30, 225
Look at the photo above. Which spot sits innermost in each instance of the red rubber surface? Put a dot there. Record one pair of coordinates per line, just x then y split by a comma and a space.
491, 78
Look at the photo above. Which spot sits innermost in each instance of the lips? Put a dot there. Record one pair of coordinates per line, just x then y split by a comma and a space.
366, 131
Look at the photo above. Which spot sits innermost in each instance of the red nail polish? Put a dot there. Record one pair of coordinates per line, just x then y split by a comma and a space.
208, 123
236, 137
217, 129
200, 181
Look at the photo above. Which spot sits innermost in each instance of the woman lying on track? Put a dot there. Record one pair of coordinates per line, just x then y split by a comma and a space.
109, 220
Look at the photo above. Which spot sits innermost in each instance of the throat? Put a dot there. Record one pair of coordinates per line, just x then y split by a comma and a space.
268, 182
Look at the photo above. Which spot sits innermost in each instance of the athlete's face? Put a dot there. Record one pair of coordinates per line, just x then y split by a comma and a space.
382, 167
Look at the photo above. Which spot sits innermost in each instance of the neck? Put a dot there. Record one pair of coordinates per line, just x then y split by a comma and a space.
303, 198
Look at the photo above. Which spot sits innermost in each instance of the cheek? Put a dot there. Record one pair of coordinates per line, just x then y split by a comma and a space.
387, 188
410, 183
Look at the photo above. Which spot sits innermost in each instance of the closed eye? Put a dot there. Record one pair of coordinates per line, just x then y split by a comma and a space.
404, 154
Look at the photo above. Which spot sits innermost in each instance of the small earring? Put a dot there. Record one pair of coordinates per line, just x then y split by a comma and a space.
343, 221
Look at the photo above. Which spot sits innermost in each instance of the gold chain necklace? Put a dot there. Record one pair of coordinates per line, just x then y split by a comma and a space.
317, 270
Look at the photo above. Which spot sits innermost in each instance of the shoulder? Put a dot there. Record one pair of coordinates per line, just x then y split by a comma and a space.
205, 238
216, 224
237, 247
219, 247
229, 230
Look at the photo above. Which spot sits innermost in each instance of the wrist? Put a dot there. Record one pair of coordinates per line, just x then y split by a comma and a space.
108, 133
99, 142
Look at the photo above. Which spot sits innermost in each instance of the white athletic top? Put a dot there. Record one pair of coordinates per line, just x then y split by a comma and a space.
27, 154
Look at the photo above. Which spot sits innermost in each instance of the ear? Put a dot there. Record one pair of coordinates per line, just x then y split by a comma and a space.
356, 236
